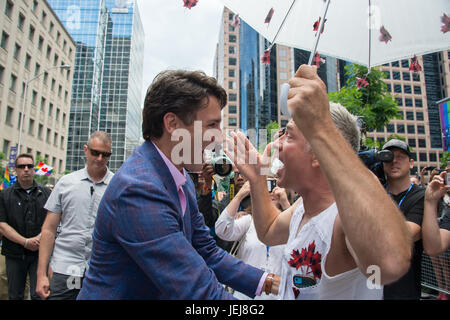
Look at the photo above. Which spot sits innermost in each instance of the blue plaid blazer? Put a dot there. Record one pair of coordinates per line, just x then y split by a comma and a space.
143, 248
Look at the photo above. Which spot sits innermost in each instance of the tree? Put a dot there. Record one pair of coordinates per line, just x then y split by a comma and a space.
444, 159
372, 103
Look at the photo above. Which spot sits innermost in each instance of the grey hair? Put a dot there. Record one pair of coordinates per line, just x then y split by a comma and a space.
346, 123
100, 135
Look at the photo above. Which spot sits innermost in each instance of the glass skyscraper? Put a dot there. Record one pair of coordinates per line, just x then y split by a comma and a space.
108, 75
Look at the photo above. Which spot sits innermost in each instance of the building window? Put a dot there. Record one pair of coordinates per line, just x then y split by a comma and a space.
388, 74
432, 157
232, 109
31, 32
283, 76
231, 49
419, 103
40, 128
231, 73
416, 76
17, 51
405, 63
396, 75
232, 85
21, 21
422, 143
4, 40
9, 113
282, 52
407, 88
417, 90
421, 129
9, 8
395, 64
406, 76
232, 97
2, 72
6, 146
423, 157
411, 128
232, 38
232, 121
412, 143
400, 128
409, 115
232, 61
390, 128
31, 127
419, 116
408, 102
12, 84
397, 88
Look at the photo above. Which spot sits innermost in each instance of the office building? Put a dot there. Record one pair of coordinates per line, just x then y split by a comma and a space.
254, 87
34, 45
108, 75
417, 94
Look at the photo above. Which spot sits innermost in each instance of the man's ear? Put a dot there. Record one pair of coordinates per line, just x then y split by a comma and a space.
170, 122
314, 162
411, 163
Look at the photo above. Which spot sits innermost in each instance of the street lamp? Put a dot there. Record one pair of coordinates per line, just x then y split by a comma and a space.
64, 66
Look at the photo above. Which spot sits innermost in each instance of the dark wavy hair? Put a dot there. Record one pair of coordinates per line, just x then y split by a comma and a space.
181, 92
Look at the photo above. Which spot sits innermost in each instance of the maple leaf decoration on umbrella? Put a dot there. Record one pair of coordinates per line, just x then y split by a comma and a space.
415, 66
308, 258
265, 58
269, 16
446, 21
361, 82
190, 3
317, 24
385, 35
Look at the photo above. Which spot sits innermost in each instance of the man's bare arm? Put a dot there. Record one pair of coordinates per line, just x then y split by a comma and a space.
372, 223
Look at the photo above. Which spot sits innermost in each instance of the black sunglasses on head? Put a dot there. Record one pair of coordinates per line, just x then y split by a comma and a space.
22, 166
96, 153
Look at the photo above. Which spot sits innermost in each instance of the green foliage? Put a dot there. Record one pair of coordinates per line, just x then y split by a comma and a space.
444, 159
373, 103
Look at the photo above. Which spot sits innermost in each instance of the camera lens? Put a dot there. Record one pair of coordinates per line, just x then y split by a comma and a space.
223, 167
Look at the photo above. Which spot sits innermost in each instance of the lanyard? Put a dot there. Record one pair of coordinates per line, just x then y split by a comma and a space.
401, 201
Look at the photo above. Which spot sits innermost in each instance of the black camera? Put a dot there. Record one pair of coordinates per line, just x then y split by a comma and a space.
221, 164
374, 159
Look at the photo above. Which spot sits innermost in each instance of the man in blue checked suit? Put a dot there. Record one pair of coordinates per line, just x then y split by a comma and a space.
150, 241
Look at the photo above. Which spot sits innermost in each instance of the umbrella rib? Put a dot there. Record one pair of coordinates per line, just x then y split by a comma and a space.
282, 24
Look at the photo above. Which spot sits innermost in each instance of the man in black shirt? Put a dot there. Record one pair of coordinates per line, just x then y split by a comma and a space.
410, 200
22, 214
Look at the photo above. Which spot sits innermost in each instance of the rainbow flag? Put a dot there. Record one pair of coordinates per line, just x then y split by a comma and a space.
6, 179
43, 169
444, 110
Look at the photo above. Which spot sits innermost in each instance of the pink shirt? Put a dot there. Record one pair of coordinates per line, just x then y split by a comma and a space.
180, 180
178, 177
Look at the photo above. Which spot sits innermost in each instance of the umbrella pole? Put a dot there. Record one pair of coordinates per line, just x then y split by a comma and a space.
316, 43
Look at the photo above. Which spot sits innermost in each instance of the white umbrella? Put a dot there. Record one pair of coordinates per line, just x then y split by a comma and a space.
366, 32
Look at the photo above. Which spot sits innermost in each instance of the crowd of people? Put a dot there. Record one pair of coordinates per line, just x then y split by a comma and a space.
160, 228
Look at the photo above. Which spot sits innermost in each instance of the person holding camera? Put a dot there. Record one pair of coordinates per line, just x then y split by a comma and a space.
410, 200
344, 237
236, 224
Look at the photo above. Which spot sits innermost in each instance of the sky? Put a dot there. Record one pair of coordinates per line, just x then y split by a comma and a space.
177, 37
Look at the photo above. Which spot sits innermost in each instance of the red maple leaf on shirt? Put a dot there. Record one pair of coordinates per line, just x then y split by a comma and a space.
265, 58
309, 258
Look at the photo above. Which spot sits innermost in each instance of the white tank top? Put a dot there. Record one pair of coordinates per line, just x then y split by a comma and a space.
303, 275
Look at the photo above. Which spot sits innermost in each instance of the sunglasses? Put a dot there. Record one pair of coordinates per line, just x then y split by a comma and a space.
23, 166
96, 153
